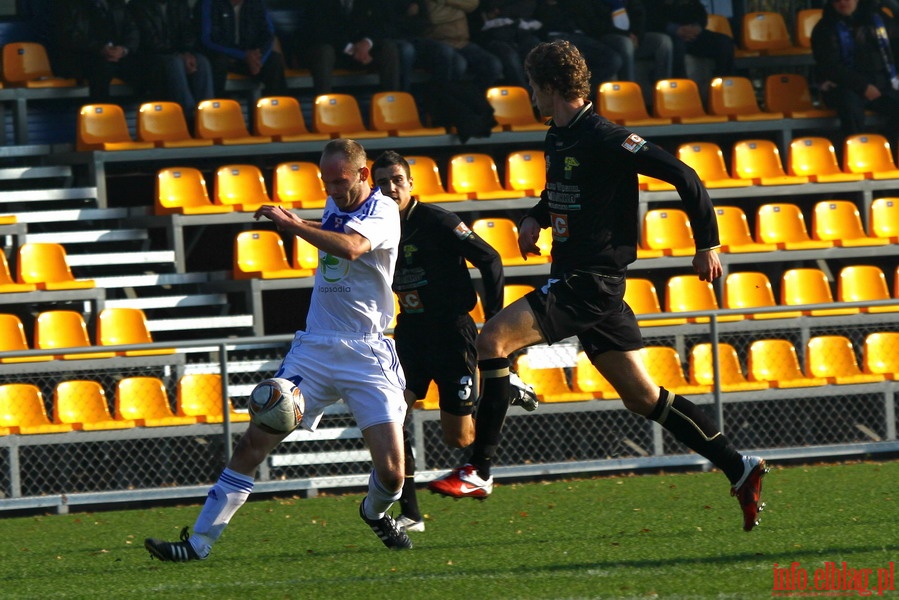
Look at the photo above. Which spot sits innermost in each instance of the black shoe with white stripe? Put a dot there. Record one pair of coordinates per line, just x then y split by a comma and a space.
385, 528
172, 551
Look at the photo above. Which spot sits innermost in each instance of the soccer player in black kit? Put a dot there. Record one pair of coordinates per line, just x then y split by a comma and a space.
435, 335
591, 204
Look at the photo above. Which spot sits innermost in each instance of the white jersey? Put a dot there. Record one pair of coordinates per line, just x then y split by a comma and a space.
355, 295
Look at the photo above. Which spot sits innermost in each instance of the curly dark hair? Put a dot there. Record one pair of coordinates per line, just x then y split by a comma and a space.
560, 66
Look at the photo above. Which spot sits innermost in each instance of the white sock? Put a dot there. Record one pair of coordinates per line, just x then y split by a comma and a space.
379, 500
227, 495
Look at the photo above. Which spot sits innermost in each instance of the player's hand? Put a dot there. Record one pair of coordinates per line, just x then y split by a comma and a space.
280, 216
528, 232
707, 265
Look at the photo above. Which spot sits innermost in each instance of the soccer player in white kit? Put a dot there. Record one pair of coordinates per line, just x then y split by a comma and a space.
343, 352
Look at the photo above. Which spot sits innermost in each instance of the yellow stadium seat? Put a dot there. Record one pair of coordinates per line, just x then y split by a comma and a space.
588, 380
339, 115
222, 121
241, 186
428, 186
816, 158
63, 329
790, 94
832, 357
880, 354
730, 373
502, 234
145, 401
299, 184
397, 114
809, 286
550, 383
103, 127
733, 231
806, 19
734, 98
182, 190
513, 110
640, 294
679, 100
22, 411
83, 405
839, 221
665, 369
26, 64
199, 395
280, 118
622, 102
12, 339
46, 265
688, 293
304, 256
784, 225
475, 174
884, 219
759, 161
163, 124
668, 230
766, 32
120, 326
515, 291
707, 160
260, 254
747, 290
871, 154
7, 283
776, 361
864, 283
526, 171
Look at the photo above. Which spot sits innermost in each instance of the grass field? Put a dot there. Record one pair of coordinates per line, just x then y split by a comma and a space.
643, 536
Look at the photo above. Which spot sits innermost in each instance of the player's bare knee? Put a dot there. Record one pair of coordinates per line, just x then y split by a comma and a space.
459, 441
640, 403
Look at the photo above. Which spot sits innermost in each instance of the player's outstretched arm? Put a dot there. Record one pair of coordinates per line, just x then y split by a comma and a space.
707, 265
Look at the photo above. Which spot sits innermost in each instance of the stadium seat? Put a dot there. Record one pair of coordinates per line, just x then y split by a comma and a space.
640, 294
12, 339
806, 19
734, 98
260, 254
298, 184
707, 160
730, 373
26, 64
679, 100
864, 283
103, 127
871, 154
884, 219
476, 175
338, 115
587, 379
83, 405
515, 291
784, 225
776, 361
241, 186
759, 161
838, 221
502, 234
145, 401
182, 191
46, 265
652, 184
622, 102
832, 357
222, 121
880, 354
816, 158
688, 293
304, 256
280, 118
733, 232
790, 94
200, 395
767, 33
163, 124
550, 383
7, 283
513, 110
428, 186
748, 290
526, 171
809, 286
120, 325
666, 370
22, 411
62, 329
668, 230
397, 114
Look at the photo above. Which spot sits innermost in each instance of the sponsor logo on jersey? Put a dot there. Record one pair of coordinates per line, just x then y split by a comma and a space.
410, 301
333, 268
560, 226
570, 163
462, 231
633, 143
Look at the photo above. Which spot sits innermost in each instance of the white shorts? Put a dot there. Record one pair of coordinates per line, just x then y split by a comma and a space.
362, 369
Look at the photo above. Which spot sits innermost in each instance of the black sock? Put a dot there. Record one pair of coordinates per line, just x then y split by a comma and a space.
409, 499
492, 408
693, 428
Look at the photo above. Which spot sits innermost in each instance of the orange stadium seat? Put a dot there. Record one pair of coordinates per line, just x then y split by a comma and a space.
832, 357
64, 329
182, 190
526, 171
665, 369
766, 32
759, 161
163, 124
733, 231
241, 186
734, 97
103, 127
816, 158
586, 379
281, 118
12, 339
884, 219
668, 230
880, 354
513, 110
790, 94
839, 221
730, 373
397, 114
809, 286
26, 64
679, 100
83, 405
200, 395
339, 115
46, 265
22, 411
145, 401
475, 174
747, 290
707, 160
222, 120
261, 254
776, 361
688, 293
120, 326
622, 102
864, 283
428, 186
784, 225
871, 154
299, 184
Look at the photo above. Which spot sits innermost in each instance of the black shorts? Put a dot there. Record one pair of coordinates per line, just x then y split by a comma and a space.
443, 352
590, 306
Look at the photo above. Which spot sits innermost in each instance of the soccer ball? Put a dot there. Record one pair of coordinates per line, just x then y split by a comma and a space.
276, 405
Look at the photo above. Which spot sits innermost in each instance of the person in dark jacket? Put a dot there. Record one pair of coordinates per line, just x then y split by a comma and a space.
855, 46
168, 53
238, 36
96, 40
685, 22
591, 202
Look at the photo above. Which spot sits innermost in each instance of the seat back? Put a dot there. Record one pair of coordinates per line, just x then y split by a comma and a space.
831, 356
220, 118
140, 398
867, 153
701, 370
621, 100
773, 360
880, 353
393, 111
719, 24
12, 334
805, 286
502, 234
860, 283
43, 262
748, 289
305, 255
162, 122
99, 124
26, 61
758, 158
667, 229
640, 294
732, 95
780, 222
884, 221
240, 185
337, 114
278, 116
178, 188
526, 170
664, 366
22, 405
473, 173
199, 395
674, 98
733, 226
837, 220
812, 156
588, 379
60, 329
706, 158
765, 30
686, 293
426, 176
806, 19
118, 326
259, 251
511, 105
298, 182
79, 402
547, 381
787, 93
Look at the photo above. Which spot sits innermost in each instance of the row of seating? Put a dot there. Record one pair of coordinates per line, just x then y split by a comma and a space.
40, 266
81, 405
67, 329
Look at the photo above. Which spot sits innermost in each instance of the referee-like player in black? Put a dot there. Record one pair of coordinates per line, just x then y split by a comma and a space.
591, 204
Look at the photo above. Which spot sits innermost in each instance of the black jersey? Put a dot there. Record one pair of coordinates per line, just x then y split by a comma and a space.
592, 195
432, 276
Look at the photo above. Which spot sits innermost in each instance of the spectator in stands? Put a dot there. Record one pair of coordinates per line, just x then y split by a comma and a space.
622, 25
685, 21
96, 40
558, 24
168, 53
855, 45
238, 36
351, 34
408, 21
508, 30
